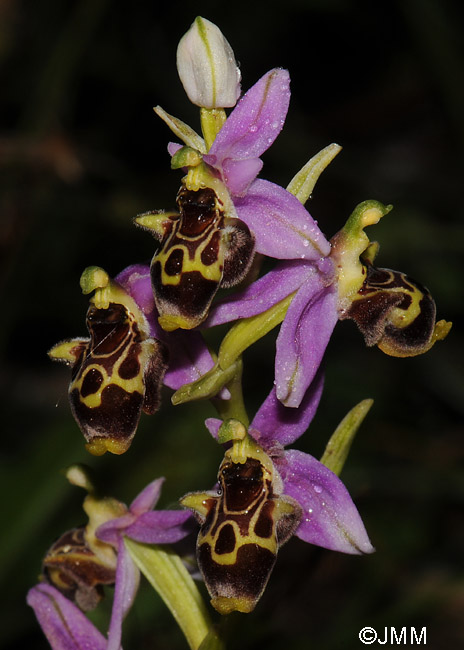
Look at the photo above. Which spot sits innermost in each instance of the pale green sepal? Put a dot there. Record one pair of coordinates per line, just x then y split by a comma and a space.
249, 330
155, 222
338, 447
182, 130
302, 184
206, 387
168, 576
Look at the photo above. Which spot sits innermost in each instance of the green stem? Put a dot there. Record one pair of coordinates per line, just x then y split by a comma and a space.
212, 120
206, 387
168, 576
234, 407
249, 330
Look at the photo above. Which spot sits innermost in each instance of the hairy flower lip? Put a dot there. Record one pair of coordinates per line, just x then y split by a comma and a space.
330, 518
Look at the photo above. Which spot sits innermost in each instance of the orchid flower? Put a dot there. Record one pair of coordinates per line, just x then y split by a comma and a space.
266, 495
110, 522
391, 310
225, 214
281, 225
118, 371
329, 517
142, 524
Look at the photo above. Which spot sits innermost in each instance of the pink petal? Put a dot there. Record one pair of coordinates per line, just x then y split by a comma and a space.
62, 622
110, 532
259, 296
282, 226
161, 527
127, 583
135, 279
303, 338
189, 358
213, 425
173, 147
276, 422
250, 129
330, 518
148, 497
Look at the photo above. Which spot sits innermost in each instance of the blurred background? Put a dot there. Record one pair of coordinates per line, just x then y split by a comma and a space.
81, 153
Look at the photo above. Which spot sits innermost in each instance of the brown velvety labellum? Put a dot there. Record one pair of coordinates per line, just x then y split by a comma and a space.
394, 312
72, 567
202, 250
117, 374
241, 533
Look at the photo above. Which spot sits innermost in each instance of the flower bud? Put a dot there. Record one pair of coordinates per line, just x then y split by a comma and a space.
207, 66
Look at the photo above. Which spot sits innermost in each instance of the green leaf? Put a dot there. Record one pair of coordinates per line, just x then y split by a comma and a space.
338, 447
168, 576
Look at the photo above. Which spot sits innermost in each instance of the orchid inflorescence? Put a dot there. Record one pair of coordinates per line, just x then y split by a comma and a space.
146, 328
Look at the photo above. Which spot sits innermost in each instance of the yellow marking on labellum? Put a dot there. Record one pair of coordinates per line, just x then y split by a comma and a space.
211, 272
395, 312
204, 248
100, 446
171, 322
200, 177
117, 372
243, 525
135, 384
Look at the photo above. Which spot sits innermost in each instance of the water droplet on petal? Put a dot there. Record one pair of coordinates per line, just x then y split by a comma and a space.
317, 488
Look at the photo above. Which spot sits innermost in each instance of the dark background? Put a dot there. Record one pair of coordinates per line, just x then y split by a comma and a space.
81, 153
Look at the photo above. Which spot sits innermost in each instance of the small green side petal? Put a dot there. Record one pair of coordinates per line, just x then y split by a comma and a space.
302, 184
338, 447
155, 222
182, 130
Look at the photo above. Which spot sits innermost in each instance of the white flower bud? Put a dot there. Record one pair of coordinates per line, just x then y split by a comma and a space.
207, 66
